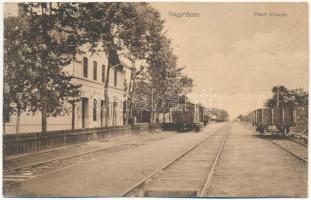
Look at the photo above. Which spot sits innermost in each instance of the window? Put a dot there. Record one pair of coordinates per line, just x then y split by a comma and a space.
85, 67
115, 77
103, 73
95, 70
95, 110
102, 113
6, 114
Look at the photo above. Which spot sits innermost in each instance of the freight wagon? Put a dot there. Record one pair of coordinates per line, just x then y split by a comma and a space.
274, 121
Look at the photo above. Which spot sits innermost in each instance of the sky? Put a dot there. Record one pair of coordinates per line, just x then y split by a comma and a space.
236, 54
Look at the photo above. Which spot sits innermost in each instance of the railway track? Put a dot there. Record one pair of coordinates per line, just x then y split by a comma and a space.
296, 149
301, 143
187, 175
292, 149
30, 171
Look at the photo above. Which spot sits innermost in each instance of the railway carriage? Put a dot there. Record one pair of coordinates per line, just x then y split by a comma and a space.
270, 121
189, 116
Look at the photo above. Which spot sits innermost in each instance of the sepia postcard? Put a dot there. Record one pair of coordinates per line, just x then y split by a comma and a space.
155, 99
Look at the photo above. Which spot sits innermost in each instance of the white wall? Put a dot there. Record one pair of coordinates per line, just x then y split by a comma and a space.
32, 123
91, 89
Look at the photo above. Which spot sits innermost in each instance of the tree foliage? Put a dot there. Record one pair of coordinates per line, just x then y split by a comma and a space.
166, 77
243, 118
287, 97
42, 45
133, 31
15, 78
221, 114
47, 38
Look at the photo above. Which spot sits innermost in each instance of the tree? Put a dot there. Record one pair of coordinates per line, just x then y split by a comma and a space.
119, 29
132, 31
15, 79
141, 95
51, 39
221, 114
166, 77
284, 97
45, 47
243, 118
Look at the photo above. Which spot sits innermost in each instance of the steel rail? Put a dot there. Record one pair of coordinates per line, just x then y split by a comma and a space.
133, 189
289, 151
210, 174
282, 147
64, 158
59, 158
303, 144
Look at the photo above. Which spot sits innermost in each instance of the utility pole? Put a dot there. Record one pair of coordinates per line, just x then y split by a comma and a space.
44, 97
73, 115
277, 97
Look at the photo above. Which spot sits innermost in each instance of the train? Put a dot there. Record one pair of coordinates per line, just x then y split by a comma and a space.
276, 121
189, 116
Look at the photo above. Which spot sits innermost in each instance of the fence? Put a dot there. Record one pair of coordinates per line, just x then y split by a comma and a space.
31, 142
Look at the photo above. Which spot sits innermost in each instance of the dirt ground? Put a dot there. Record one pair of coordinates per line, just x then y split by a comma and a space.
111, 175
251, 166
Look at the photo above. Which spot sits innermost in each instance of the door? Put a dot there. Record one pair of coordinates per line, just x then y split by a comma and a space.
114, 113
85, 108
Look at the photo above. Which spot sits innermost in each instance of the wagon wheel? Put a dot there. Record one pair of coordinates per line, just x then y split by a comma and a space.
264, 132
285, 131
197, 128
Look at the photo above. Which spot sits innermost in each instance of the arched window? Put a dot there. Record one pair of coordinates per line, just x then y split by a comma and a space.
115, 77
85, 67
95, 70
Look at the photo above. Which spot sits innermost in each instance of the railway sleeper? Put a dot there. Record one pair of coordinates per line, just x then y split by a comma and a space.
162, 192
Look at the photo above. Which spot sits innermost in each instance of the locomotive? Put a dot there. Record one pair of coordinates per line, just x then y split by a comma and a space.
189, 116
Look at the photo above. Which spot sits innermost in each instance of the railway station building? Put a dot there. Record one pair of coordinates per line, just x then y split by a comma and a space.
90, 72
